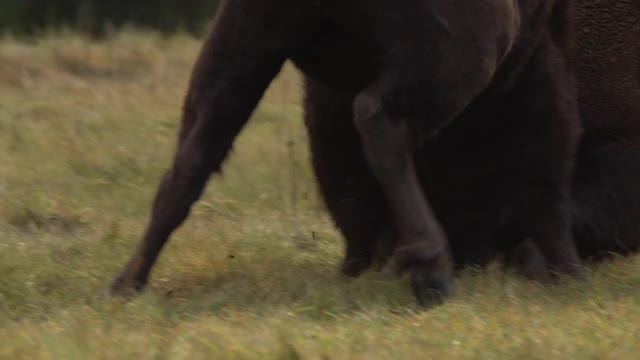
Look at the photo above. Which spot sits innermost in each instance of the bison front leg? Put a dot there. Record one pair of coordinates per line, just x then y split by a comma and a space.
422, 247
242, 54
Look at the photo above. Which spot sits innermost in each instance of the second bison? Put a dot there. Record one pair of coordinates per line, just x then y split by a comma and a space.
469, 172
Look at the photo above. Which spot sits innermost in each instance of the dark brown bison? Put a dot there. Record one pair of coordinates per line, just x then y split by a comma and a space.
463, 171
477, 90
606, 203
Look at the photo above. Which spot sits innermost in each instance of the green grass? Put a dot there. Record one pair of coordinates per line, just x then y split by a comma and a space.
86, 131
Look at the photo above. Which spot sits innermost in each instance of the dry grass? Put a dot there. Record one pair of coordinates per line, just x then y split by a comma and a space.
86, 130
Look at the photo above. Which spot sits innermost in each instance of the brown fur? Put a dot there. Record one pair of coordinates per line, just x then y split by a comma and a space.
606, 203
605, 209
478, 90
606, 58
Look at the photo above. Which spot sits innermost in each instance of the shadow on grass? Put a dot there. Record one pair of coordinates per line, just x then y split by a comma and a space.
316, 289
313, 288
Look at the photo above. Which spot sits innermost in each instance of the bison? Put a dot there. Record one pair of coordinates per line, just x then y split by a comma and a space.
605, 209
462, 171
478, 91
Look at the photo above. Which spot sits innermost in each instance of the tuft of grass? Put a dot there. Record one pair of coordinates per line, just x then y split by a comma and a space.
86, 131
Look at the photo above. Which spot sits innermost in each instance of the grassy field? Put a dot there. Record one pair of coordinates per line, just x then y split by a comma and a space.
86, 131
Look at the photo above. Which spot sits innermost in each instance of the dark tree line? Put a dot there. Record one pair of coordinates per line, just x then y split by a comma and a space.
96, 16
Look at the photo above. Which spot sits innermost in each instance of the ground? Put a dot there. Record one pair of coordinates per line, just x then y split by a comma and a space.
86, 131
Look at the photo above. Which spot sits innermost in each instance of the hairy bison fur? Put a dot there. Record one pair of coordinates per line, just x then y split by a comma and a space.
463, 173
440, 125
605, 209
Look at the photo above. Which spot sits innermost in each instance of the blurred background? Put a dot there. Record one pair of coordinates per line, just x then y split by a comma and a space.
91, 95
99, 17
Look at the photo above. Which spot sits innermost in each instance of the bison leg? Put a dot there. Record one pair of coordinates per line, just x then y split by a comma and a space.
544, 145
422, 245
348, 187
228, 81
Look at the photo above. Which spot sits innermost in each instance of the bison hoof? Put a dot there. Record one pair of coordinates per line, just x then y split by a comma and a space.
530, 262
125, 286
575, 271
431, 272
430, 287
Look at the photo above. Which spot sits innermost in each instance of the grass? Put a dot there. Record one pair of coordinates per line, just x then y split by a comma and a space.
86, 131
